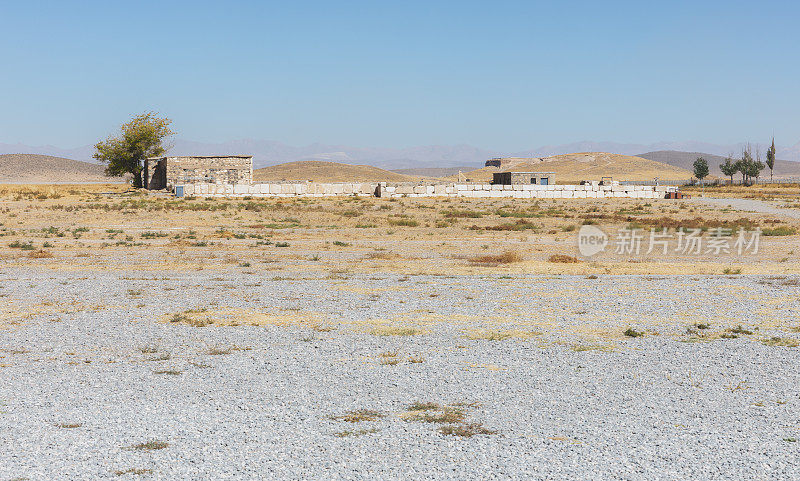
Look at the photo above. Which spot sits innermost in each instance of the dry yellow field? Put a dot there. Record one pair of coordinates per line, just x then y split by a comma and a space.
103, 226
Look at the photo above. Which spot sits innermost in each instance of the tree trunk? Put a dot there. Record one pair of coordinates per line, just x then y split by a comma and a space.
137, 180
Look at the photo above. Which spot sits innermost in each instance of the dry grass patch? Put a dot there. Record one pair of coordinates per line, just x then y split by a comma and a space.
454, 418
355, 433
222, 351
389, 358
579, 347
466, 430
153, 445
507, 257
780, 342
631, 332
396, 331
232, 317
563, 259
495, 335
40, 254
69, 425
137, 471
161, 357
170, 372
429, 412
359, 415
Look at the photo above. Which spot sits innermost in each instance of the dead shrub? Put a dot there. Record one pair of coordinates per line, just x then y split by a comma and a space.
563, 259
465, 430
358, 416
507, 257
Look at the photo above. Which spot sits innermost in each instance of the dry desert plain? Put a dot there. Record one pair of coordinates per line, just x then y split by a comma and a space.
146, 337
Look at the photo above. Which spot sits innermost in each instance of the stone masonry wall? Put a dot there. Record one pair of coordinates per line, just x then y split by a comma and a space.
313, 189
217, 170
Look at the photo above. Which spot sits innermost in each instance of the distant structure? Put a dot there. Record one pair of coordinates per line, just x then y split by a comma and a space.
519, 178
501, 162
167, 172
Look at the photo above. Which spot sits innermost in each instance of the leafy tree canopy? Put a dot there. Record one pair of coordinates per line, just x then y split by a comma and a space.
139, 139
700, 168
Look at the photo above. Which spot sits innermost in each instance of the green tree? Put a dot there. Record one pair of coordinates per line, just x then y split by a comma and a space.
700, 169
749, 167
771, 158
754, 169
743, 165
139, 139
729, 167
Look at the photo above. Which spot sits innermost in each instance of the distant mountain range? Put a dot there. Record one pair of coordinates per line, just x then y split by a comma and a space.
267, 153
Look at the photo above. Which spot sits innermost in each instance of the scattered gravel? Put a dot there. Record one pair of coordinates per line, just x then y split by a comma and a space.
82, 388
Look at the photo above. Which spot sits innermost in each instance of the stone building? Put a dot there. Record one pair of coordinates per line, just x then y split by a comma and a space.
505, 162
167, 172
514, 178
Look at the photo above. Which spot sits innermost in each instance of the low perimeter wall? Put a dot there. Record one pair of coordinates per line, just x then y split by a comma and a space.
523, 191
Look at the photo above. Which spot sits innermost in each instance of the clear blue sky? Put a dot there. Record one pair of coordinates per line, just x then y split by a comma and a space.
502, 75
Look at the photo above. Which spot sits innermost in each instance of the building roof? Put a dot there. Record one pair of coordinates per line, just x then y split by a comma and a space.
517, 172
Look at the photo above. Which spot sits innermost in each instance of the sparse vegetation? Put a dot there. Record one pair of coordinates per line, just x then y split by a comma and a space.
69, 425
631, 332
136, 471
563, 259
397, 331
779, 231
466, 430
153, 445
453, 418
780, 342
358, 416
495, 335
507, 257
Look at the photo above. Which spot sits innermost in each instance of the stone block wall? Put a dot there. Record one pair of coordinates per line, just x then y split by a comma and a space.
314, 189
167, 172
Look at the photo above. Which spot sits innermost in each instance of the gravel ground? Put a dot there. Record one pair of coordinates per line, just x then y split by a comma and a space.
81, 383
748, 205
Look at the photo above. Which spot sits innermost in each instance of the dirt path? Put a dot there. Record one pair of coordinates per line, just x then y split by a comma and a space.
748, 205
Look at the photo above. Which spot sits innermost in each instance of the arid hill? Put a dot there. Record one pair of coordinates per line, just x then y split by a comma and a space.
318, 171
589, 166
34, 168
783, 168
